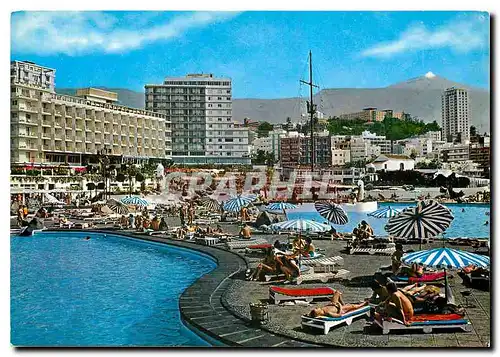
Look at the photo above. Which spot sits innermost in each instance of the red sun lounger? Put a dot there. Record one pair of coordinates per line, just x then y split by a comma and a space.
426, 278
278, 294
425, 322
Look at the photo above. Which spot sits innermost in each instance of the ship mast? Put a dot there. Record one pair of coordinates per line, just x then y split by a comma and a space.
311, 108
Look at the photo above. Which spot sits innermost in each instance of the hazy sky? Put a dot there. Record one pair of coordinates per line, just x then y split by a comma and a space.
265, 53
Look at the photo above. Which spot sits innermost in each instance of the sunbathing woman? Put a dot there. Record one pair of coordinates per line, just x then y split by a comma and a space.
268, 265
336, 308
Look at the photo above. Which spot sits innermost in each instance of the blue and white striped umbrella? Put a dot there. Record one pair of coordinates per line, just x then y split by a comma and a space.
134, 200
446, 258
426, 220
385, 212
301, 225
280, 206
332, 212
235, 204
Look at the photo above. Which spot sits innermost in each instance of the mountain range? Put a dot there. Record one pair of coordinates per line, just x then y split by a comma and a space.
421, 97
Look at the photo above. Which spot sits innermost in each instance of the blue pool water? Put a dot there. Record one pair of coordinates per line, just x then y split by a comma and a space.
469, 223
107, 291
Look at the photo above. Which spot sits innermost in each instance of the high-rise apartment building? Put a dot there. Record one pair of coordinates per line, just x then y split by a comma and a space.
200, 109
455, 113
51, 128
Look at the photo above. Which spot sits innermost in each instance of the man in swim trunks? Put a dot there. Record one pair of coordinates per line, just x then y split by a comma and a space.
336, 308
397, 304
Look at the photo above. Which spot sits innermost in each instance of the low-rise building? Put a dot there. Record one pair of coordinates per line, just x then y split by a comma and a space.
392, 163
340, 157
454, 153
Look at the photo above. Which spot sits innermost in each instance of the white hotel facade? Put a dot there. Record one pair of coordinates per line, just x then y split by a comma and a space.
200, 109
48, 128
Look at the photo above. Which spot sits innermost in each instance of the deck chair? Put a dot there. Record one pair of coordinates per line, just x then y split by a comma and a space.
325, 323
278, 294
425, 322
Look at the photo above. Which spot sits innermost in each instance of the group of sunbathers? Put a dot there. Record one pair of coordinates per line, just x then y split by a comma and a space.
197, 231
403, 303
277, 261
143, 222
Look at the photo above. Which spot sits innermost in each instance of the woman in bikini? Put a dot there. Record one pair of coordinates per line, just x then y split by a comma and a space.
336, 308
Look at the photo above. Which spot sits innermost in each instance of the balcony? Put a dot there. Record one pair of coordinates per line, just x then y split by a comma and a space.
28, 122
58, 114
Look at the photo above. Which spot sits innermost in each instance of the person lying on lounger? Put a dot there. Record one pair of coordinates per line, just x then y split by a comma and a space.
413, 271
298, 243
336, 308
309, 251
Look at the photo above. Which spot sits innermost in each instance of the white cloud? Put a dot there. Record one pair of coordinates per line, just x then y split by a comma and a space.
464, 34
77, 33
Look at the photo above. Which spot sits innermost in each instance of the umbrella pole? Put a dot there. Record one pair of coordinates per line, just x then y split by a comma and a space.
445, 285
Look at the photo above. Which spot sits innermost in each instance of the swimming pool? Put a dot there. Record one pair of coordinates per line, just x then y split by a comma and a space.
106, 291
469, 223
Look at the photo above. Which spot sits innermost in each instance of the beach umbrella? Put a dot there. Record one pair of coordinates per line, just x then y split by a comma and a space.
426, 220
236, 203
446, 258
385, 212
301, 225
332, 212
117, 206
280, 206
211, 204
52, 200
134, 200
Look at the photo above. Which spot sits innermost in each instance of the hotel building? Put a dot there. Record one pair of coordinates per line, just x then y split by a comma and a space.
55, 129
200, 109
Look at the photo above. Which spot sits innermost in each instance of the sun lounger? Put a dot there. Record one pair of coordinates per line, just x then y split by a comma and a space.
324, 264
154, 233
278, 294
325, 323
323, 277
426, 322
81, 225
385, 251
240, 244
429, 278
207, 240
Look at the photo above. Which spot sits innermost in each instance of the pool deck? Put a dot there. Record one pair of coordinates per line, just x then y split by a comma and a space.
217, 304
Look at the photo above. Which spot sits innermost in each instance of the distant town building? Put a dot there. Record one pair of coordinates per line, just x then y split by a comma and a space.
371, 114
455, 113
454, 153
392, 163
340, 157
296, 150
50, 128
200, 109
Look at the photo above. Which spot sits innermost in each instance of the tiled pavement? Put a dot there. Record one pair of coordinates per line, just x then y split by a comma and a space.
218, 305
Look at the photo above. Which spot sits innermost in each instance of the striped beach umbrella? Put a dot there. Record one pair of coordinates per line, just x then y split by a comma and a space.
332, 212
236, 203
426, 220
117, 206
211, 204
385, 212
280, 206
300, 225
446, 258
134, 200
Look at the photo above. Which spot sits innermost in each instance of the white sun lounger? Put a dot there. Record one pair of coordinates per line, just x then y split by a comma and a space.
326, 323
240, 244
324, 264
278, 294
371, 251
207, 240
427, 326
323, 277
